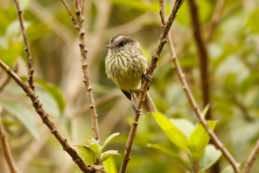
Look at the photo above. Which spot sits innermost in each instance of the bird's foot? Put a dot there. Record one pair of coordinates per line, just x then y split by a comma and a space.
146, 77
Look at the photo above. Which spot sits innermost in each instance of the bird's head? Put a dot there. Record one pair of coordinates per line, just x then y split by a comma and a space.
121, 43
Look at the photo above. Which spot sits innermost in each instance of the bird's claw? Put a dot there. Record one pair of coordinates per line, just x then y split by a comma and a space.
147, 77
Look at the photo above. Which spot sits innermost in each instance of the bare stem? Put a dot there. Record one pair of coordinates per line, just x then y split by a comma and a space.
146, 84
26, 44
194, 105
45, 119
203, 55
197, 110
85, 69
6, 148
251, 158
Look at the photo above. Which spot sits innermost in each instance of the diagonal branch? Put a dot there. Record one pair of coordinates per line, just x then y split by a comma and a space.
192, 101
146, 84
197, 110
251, 158
26, 44
45, 119
203, 55
7, 149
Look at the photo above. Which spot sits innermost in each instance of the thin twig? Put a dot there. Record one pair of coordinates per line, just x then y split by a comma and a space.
162, 11
45, 119
146, 84
194, 105
26, 44
251, 158
203, 55
197, 110
6, 148
85, 69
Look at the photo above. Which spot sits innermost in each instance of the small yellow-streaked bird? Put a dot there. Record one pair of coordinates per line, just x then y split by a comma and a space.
126, 65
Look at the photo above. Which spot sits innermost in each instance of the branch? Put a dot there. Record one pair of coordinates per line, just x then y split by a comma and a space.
197, 110
251, 158
146, 84
26, 44
203, 55
7, 149
78, 24
87, 82
45, 119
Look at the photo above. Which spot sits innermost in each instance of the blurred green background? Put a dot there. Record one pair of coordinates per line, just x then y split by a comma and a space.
233, 60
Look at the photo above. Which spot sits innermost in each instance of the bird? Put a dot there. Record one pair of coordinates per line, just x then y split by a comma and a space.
125, 65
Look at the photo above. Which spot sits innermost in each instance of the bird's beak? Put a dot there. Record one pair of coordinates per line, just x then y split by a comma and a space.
108, 46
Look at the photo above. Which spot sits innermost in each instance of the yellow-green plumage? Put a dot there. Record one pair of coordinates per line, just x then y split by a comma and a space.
125, 66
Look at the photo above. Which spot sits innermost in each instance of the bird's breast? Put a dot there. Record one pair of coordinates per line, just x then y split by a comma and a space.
125, 70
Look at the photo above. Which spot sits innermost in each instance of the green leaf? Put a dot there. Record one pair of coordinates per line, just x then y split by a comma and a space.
199, 139
184, 125
164, 150
87, 154
211, 156
22, 113
55, 93
109, 139
109, 165
107, 154
175, 135
170, 152
95, 147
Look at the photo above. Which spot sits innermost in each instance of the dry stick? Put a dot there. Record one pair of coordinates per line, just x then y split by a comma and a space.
45, 119
203, 55
197, 110
192, 101
145, 85
26, 44
7, 149
251, 158
85, 69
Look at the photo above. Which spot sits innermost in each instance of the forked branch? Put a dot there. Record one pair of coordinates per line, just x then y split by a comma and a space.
45, 119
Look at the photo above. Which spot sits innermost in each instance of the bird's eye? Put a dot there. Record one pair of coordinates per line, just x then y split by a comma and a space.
122, 43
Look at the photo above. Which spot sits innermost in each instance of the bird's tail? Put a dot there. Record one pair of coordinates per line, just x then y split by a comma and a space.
148, 104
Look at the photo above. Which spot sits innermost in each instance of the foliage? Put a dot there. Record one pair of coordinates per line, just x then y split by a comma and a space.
170, 140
